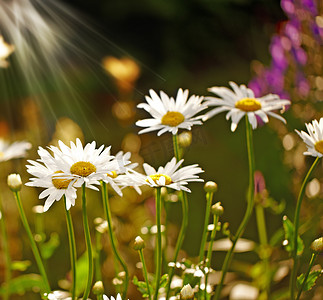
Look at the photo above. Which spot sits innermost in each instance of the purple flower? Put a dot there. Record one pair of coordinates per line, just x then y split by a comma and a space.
310, 5
288, 6
275, 78
302, 84
278, 53
300, 55
292, 30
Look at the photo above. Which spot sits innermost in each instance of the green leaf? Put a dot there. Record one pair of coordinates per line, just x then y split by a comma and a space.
142, 286
47, 249
311, 279
81, 273
163, 281
20, 265
24, 283
289, 237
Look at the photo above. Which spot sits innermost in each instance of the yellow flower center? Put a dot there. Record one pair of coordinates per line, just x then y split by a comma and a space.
1, 154
319, 146
155, 178
248, 104
113, 175
59, 183
172, 118
83, 168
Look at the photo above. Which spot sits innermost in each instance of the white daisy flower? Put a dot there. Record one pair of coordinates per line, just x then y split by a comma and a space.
242, 101
169, 114
48, 175
14, 150
117, 168
169, 176
105, 297
314, 138
88, 165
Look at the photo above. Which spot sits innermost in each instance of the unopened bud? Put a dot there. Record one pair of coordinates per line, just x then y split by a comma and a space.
98, 288
122, 275
317, 245
14, 182
210, 187
185, 139
38, 209
139, 243
187, 292
217, 209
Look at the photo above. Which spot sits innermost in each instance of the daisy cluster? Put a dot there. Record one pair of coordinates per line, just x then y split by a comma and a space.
170, 115
62, 170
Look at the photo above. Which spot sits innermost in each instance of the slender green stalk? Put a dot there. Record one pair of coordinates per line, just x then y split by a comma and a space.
209, 252
248, 212
176, 147
296, 227
5, 246
98, 247
262, 232
184, 224
144, 269
39, 228
313, 258
71, 240
158, 242
209, 197
88, 245
99, 297
107, 213
32, 243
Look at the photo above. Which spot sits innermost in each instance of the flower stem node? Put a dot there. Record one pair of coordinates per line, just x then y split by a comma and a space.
210, 187
317, 245
187, 292
98, 288
217, 209
14, 182
139, 243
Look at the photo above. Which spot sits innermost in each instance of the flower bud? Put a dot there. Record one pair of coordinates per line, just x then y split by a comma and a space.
217, 209
139, 243
210, 187
185, 139
317, 245
38, 209
14, 182
187, 292
98, 288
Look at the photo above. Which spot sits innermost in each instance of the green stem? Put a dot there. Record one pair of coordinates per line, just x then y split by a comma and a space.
248, 212
107, 213
314, 255
184, 224
144, 269
209, 252
98, 247
5, 246
88, 245
71, 240
209, 197
296, 227
176, 147
262, 232
158, 242
32, 243
99, 297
